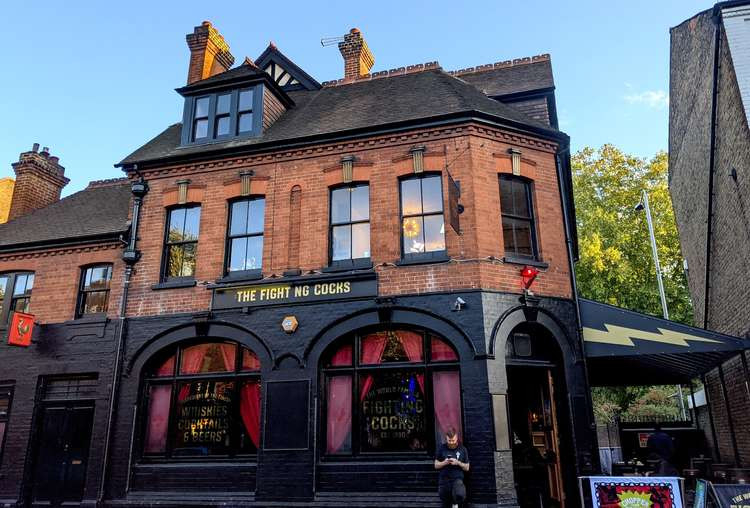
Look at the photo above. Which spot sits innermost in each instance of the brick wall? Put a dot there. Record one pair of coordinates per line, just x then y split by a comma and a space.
57, 274
475, 156
6, 194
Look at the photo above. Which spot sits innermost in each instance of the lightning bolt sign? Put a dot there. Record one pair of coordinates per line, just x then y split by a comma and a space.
623, 336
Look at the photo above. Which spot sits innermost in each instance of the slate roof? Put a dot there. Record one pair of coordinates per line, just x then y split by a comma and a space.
512, 79
242, 71
96, 211
368, 104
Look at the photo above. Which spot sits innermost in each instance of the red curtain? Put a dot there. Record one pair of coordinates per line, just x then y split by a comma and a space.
158, 418
192, 358
250, 360
373, 346
441, 351
447, 395
412, 343
343, 356
228, 355
339, 419
250, 410
166, 368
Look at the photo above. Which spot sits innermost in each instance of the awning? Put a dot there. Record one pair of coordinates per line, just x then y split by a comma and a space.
629, 348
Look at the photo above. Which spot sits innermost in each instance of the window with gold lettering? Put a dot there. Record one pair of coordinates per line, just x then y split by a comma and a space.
390, 391
202, 400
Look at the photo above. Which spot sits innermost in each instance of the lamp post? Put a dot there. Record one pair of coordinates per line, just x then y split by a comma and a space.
643, 205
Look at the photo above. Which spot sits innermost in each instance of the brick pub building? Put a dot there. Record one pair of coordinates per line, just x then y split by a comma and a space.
296, 290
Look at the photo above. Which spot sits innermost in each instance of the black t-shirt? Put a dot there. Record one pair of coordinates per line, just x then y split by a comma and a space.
450, 473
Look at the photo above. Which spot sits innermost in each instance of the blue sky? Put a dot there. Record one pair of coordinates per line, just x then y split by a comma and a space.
95, 80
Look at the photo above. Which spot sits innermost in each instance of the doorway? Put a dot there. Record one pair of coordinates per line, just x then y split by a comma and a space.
64, 436
536, 437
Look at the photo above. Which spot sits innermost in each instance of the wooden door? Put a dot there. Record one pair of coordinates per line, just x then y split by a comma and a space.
554, 470
62, 455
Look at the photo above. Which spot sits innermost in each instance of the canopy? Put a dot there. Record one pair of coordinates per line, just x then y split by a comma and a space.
629, 348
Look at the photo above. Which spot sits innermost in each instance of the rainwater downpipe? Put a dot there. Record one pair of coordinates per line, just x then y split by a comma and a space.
574, 287
711, 168
130, 256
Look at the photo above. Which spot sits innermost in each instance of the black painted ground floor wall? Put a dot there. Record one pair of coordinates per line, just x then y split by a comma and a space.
281, 475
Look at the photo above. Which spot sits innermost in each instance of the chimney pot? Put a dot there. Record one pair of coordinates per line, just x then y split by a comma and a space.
54, 159
35, 147
45, 150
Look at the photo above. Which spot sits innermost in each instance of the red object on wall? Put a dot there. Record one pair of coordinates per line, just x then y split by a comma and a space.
528, 274
21, 328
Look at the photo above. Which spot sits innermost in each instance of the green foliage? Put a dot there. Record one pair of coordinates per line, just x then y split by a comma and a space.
616, 264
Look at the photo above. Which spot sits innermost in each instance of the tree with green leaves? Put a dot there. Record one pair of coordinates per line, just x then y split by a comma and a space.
616, 264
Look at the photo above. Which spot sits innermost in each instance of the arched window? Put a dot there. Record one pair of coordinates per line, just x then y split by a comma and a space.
390, 391
202, 399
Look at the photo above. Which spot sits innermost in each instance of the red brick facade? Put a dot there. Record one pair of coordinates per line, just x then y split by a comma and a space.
475, 156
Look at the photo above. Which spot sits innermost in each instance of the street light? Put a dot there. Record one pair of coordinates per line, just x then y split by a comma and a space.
643, 205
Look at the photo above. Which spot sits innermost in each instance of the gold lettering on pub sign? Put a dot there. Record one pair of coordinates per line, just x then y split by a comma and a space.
393, 413
273, 293
204, 415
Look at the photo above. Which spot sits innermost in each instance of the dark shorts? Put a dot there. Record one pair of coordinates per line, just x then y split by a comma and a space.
452, 493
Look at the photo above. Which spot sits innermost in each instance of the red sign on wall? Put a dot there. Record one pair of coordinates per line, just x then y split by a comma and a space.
21, 328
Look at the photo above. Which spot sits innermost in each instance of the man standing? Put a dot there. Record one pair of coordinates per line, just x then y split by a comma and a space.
452, 460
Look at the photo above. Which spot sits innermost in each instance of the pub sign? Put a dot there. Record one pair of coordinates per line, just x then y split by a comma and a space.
21, 328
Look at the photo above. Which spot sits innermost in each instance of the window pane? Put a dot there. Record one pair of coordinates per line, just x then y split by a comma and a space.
441, 351
446, 392
188, 260
250, 360
176, 225
203, 417
222, 126
391, 346
239, 218
361, 203
257, 215
342, 357
392, 409
3, 285
434, 233
29, 282
209, 357
411, 197
340, 204
21, 304
246, 100
201, 107
413, 235
432, 195
97, 277
245, 122
342, 243
237, 253
339, 415
517, 237
192, 223
250, 395
222, 103
361, 240
506, 196
22, 284
254, 258
95, 301
158, 418
200, 129
174, 260
166, 368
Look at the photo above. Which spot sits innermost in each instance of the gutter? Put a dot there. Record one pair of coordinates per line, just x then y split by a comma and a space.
77, 241
712, 165
437, 121
130, 256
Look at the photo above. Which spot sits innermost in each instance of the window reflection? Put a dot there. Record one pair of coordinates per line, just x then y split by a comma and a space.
183, 226
422, 223
350, 226
246, 219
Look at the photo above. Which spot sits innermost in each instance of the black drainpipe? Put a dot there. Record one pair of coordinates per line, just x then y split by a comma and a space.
574, 287
711, 166
130, 256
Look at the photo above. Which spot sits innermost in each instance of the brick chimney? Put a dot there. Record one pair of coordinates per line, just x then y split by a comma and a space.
39, 180
358, 59
209, 53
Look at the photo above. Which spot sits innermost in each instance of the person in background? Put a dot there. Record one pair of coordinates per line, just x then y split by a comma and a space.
452, 461
661, 447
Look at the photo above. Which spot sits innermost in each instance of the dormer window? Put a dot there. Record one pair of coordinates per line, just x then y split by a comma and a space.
222, 115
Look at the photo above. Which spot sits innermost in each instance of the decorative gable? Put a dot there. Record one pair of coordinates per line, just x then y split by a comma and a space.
284, 72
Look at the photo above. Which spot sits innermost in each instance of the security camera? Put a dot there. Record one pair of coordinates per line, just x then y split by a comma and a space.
459, 304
